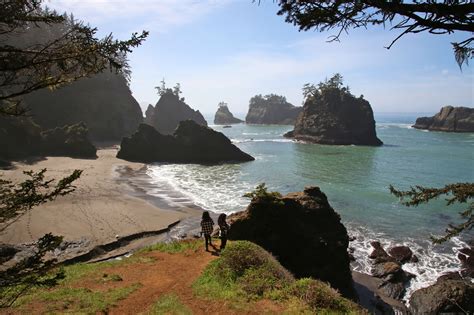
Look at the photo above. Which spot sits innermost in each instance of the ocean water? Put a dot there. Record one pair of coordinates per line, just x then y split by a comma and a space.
355, 179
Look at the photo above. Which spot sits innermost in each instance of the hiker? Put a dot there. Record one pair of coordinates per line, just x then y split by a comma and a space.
207, 226
223, 229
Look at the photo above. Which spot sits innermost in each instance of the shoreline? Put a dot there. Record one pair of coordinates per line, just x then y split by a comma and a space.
101, 218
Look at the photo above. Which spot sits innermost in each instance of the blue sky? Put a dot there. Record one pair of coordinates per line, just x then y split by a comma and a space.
230, 50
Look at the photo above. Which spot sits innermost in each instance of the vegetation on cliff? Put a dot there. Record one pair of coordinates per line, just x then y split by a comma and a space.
332, 115
271, 109
243, 279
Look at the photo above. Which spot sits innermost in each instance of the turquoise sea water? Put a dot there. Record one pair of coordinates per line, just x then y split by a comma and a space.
354, 178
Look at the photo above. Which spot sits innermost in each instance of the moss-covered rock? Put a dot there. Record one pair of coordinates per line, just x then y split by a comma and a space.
303, 231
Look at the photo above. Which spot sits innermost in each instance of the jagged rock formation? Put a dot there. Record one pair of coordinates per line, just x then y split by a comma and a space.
21, 138
450, 294
389, 268
190, 143
224, 117
169, 111
271, 109
334, 116
449, 118
103, 102
303, 231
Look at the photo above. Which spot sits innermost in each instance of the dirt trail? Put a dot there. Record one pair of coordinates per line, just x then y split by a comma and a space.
161, 274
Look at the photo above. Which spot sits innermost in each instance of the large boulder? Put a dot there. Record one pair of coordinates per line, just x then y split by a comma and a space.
190, 143
103, 102
303, 231
169, 111
447, 295
335, 116
271, 109
224, 116
69, 141
449, 118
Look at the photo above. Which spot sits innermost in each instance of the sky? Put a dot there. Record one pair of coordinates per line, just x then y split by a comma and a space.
231, 50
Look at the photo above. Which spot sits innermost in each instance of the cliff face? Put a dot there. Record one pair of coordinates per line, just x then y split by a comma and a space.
303, 231
336, 117
169, 111
103, 102
271, 109
224, 117
449, 118
190, 143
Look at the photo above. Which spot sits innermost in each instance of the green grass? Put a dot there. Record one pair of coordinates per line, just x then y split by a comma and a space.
175, 246
78, 300
245, 272
170, 304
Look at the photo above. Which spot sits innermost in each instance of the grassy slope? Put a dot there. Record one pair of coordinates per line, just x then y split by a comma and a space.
244, 279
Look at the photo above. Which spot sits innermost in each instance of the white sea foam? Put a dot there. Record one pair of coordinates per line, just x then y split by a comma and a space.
396, 125
261, 140
434, 260
215, 188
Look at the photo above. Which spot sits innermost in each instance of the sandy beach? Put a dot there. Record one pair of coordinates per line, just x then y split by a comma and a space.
100, 210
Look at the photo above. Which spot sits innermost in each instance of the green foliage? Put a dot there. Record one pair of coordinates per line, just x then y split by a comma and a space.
80, 300
170, 304
460, 193
246, 271
43, 49
176, 90
174, 246
260, 193
435, 17
15, 200
267, 99
335, 83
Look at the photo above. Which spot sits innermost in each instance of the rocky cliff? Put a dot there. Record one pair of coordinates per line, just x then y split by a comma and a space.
169, 111
449, 118
271, 109
190, 143
224, 117
303, 231
103, 102
334, 116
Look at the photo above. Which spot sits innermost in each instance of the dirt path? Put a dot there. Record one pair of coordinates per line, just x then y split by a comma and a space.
162, 274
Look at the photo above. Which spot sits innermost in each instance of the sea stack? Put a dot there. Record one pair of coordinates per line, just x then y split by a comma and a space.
103, 102
303, 231
450, 119
271, 109
169, 111
332, 115
224, 116
190, 143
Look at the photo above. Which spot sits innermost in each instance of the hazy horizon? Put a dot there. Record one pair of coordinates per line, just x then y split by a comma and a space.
231, 50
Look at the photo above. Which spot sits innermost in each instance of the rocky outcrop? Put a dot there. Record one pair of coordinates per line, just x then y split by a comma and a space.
449, 118
69, 141
271, 109
103, 102
21, 138
224, 117
169, 111
451, 294
190, 143
303, 231
334, 116
389, 269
